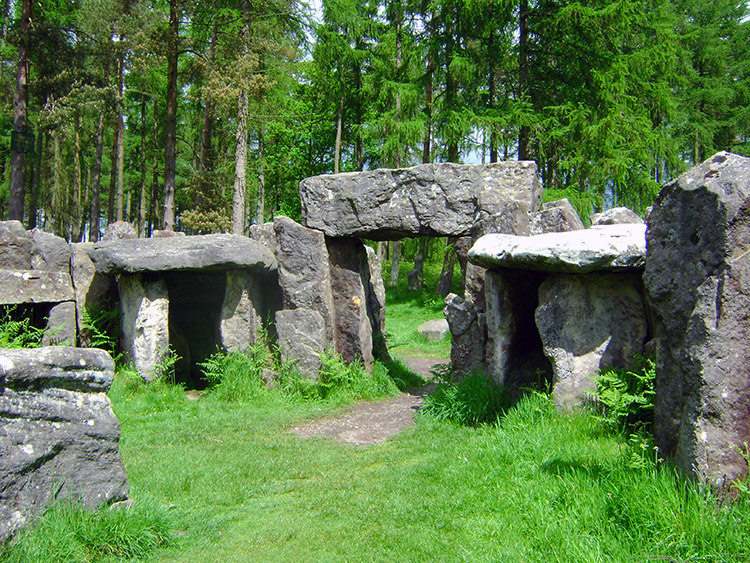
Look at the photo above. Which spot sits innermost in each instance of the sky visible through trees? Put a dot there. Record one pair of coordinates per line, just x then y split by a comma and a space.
203, 116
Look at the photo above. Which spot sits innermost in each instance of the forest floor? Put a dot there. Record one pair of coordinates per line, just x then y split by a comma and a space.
367, 422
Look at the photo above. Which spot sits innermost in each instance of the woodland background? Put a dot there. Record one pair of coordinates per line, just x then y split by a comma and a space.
202, 116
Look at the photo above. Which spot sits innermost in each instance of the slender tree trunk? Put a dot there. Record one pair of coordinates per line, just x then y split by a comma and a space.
16, 202
339, 125
260, 205
154, 172
75, 220
113, 173
36, 183
96, 181
427, 142
523, 73
170, 127
395, 263
358, 147
120, 137
141, 223
59, 201
6, 18
240, 167
492, 94
416, 275
399, 64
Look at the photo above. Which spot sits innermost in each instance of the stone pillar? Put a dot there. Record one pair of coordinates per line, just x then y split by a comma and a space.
91, 288
240, 320
302, 338
145, 322
588, 322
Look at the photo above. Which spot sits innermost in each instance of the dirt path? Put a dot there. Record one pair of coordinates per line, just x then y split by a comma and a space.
369, 423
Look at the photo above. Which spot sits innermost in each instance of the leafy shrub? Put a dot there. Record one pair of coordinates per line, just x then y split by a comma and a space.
16, 331
103, 328
472, 401
70, 532
627, 395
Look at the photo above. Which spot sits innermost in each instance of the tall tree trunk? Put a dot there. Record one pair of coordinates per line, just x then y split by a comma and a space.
75, 207
36, 183
141, 223
339, 125
427, 142
96, 181
359, 152
121, 136
170, 127
59, 199
113, 173
260, 205
16, 202
416, 275
240, 167
395, 263
492, 94
6, 18
523, 73
154, 172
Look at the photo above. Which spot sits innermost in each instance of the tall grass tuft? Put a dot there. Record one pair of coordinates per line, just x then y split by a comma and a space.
71, 533
236, 376
472, 401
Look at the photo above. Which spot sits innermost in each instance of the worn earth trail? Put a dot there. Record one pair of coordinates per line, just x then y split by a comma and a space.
372, 422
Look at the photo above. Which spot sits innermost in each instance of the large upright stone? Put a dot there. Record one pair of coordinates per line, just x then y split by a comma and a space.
376, 306
698, 282
201, 252
302, 338
145, 322
92, 289
59, 435
240, 319
429, 199
469, 333
350, 282
304, 270
49, 252
15, 246
588, 323
555, 217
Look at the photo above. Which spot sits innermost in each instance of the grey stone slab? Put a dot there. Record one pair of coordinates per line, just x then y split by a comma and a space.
35, 286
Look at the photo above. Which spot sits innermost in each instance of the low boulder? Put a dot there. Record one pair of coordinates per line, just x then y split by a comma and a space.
555, 217
616, 216
434, 330
15, 246
59, 435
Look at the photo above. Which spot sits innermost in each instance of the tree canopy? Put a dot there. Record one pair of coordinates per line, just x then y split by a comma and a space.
203, 116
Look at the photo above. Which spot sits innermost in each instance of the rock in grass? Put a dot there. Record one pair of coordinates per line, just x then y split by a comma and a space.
59, 435
434, 330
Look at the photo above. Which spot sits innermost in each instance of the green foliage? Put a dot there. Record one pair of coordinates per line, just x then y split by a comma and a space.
103, 328
165, 369
403, 376
472, 401
628, 395
72, 533
16, 330
236, 376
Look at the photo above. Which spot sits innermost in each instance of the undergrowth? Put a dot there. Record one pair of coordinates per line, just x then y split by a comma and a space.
16, 331
471, 401
68, 532
627, 395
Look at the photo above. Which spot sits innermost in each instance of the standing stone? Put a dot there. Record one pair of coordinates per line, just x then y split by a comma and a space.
468, 329
555, 217
698, 282
240, 320
15, 246
58, 434
587, 323
304, 270
616, 216
264, 234
376, 307
350, 280
302, 338
145, 322
91, 288
49, 252
430, 199
61, 325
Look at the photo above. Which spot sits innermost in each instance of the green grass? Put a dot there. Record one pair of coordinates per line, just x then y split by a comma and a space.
540, 486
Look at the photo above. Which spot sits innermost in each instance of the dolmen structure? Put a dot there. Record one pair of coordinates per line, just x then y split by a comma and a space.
547, 303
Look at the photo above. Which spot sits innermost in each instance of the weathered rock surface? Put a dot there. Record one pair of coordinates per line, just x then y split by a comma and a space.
468, 332
240, 320
15, 246
429, 199
264, 234
587, 323
59, 434
61, 325
49, 252
91, 288
145, 322
203, 252
555, 217
304, 270
616, 216
119, 230
302, 338
434, 330
376, 306
350, 282
698, 282
605, 247
35, 286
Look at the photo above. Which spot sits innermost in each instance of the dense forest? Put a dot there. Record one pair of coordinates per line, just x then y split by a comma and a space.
203, 116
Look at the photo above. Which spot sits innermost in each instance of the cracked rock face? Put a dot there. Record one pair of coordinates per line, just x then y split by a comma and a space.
430, 199
58, 434
698, 283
